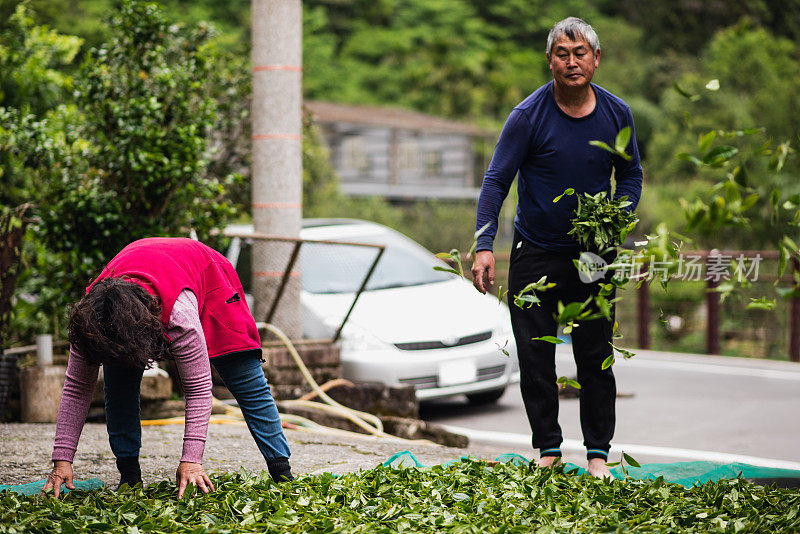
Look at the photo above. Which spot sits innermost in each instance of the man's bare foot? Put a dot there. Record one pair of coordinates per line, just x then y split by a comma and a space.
548, 461
598, 468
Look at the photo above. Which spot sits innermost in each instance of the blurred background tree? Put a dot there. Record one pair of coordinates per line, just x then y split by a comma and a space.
758, 88
123, 157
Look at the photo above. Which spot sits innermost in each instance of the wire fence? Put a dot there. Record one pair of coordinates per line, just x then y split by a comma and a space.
691, 315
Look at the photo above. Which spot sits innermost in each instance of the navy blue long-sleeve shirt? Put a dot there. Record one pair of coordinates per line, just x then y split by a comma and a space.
551, 152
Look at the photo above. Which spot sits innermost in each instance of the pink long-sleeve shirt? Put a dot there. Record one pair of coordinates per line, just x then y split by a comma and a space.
191, 356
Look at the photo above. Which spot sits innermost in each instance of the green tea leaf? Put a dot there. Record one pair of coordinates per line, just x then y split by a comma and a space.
608, 362
779, 158
501, 294
788, 292
548, 339
602, 145
625, 353
569, 191
503, 348
631, 461
718, 156
690, 158
481, 230
622, 140
791, 246
446, 270
573, 383
684, 93
775, 197
705, 141
782, 261
762, 303
750, 201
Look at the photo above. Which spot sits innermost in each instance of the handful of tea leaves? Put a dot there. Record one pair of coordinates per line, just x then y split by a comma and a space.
599, 222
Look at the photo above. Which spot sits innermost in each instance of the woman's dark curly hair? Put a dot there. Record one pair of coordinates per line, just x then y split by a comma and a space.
118, 322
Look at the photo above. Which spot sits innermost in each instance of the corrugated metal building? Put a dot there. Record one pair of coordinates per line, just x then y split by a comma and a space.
400, 154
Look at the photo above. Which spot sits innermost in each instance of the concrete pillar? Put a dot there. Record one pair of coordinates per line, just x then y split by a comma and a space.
40, 389
277, 154
44, 350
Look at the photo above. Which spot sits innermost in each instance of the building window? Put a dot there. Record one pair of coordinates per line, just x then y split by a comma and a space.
354, 154
433, 163
408, 155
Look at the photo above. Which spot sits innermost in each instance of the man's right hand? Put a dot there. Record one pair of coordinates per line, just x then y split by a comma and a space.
61, 474
483, 271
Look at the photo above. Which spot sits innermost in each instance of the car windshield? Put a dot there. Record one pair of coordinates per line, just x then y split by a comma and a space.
330, 268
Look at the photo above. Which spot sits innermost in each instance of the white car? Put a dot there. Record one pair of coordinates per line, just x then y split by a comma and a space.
412, 324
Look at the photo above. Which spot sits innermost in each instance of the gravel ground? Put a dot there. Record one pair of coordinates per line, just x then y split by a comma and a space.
25, 452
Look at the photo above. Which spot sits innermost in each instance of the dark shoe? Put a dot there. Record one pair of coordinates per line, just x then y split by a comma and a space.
280, 470
129, 471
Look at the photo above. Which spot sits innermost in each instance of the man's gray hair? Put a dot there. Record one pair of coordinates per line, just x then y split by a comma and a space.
574, 28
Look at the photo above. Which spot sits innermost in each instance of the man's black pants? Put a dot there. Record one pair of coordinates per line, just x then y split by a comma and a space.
591, 345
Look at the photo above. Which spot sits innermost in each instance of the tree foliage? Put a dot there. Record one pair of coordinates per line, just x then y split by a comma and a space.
132, 164
12, 231
32, 58
33, 84
686, 26
745, 109
447, 57
127, 158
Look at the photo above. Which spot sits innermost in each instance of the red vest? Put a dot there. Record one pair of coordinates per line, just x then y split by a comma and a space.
172, 264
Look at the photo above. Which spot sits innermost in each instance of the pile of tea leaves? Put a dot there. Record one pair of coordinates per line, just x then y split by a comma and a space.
469, 496
600, 222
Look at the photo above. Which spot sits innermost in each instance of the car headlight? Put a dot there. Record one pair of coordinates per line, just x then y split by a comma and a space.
503, 326
356, 339
503, 334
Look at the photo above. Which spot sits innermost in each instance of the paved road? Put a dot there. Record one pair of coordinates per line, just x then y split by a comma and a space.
681, 407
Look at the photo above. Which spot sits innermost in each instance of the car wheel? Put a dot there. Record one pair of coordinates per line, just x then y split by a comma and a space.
486, 397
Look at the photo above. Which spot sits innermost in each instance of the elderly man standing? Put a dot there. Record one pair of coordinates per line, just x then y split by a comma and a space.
546, 140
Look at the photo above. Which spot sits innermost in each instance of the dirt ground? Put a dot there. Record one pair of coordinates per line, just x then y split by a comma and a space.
25, 451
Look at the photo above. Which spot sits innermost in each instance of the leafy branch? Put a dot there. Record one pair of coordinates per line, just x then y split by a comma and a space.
620, 144
730, 199
598, 222
569, 315
610, 360
527, 296
626, 458
563, 381
709, 156
454, 255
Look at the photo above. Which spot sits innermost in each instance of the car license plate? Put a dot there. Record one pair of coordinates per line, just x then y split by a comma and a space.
457, 372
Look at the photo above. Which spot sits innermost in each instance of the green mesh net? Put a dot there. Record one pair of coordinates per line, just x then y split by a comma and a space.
686, 474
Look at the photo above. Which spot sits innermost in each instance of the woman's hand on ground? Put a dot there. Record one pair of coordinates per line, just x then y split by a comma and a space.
192, 473
61, 474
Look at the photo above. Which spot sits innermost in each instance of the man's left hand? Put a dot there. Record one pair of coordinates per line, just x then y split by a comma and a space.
192, 473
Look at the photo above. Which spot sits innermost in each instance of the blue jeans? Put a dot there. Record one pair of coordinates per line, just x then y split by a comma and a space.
242, 375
